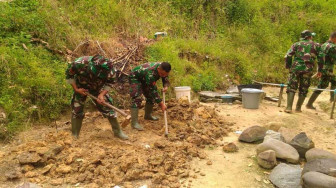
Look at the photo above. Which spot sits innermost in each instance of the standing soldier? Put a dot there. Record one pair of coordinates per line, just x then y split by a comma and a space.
305, 52
143, 81
328, 50
95, 75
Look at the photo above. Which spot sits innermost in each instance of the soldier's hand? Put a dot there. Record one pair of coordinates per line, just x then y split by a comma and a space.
100, 99
163, 106
165, 89
81, 91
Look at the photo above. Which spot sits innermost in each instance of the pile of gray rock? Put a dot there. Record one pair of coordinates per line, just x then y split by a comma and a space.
283, 153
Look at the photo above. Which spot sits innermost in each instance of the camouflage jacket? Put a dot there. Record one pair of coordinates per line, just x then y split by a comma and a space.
147, 74
305, 52
328, 50
91, 72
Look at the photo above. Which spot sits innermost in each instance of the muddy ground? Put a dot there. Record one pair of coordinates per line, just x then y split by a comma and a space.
191, 156
51, 157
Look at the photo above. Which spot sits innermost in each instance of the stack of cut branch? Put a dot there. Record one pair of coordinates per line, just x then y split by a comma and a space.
122, 61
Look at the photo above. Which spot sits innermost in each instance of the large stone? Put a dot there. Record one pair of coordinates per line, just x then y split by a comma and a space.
29, 158
316, 153
267, 159
287, 133
286, 176
274, 135
282, 150
253, 134
302, 143
230, 148
318, 180
325, 166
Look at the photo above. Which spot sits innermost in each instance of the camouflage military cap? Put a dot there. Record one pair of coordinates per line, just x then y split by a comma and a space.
307, 33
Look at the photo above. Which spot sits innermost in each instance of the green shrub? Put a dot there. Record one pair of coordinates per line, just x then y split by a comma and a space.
238, 11
245, 40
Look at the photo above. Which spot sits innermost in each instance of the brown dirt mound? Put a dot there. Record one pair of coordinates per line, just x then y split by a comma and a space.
98, 159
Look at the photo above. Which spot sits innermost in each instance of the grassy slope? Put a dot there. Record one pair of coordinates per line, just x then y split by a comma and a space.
243, 39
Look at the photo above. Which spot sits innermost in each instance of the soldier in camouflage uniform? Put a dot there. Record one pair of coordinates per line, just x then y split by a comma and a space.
328, 50
305, 52
95, 75
143, 81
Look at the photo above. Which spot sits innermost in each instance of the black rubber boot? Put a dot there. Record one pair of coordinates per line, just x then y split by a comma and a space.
76, 125
312, 99
148, 112
134, 123
116, 128
290, 99
299, 103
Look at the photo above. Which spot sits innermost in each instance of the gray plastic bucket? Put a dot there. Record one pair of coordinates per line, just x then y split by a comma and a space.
251, 98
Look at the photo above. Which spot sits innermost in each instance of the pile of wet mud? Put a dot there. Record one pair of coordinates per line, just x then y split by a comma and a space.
99, 159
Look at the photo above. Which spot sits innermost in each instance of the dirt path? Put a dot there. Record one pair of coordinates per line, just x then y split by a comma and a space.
240, 170
175, 156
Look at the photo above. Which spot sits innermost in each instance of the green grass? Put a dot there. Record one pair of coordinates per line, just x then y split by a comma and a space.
33, 87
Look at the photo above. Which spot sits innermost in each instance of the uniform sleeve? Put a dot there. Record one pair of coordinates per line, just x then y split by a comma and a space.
320, 58
110, 80
289, 56
332, 53
155, 94
71, 72
165, 82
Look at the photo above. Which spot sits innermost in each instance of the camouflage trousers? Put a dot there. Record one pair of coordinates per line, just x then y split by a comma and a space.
136, 91
78, 102
324, 83
299, 80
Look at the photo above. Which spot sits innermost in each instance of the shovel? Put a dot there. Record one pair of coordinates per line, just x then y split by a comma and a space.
165, 114
127, 117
